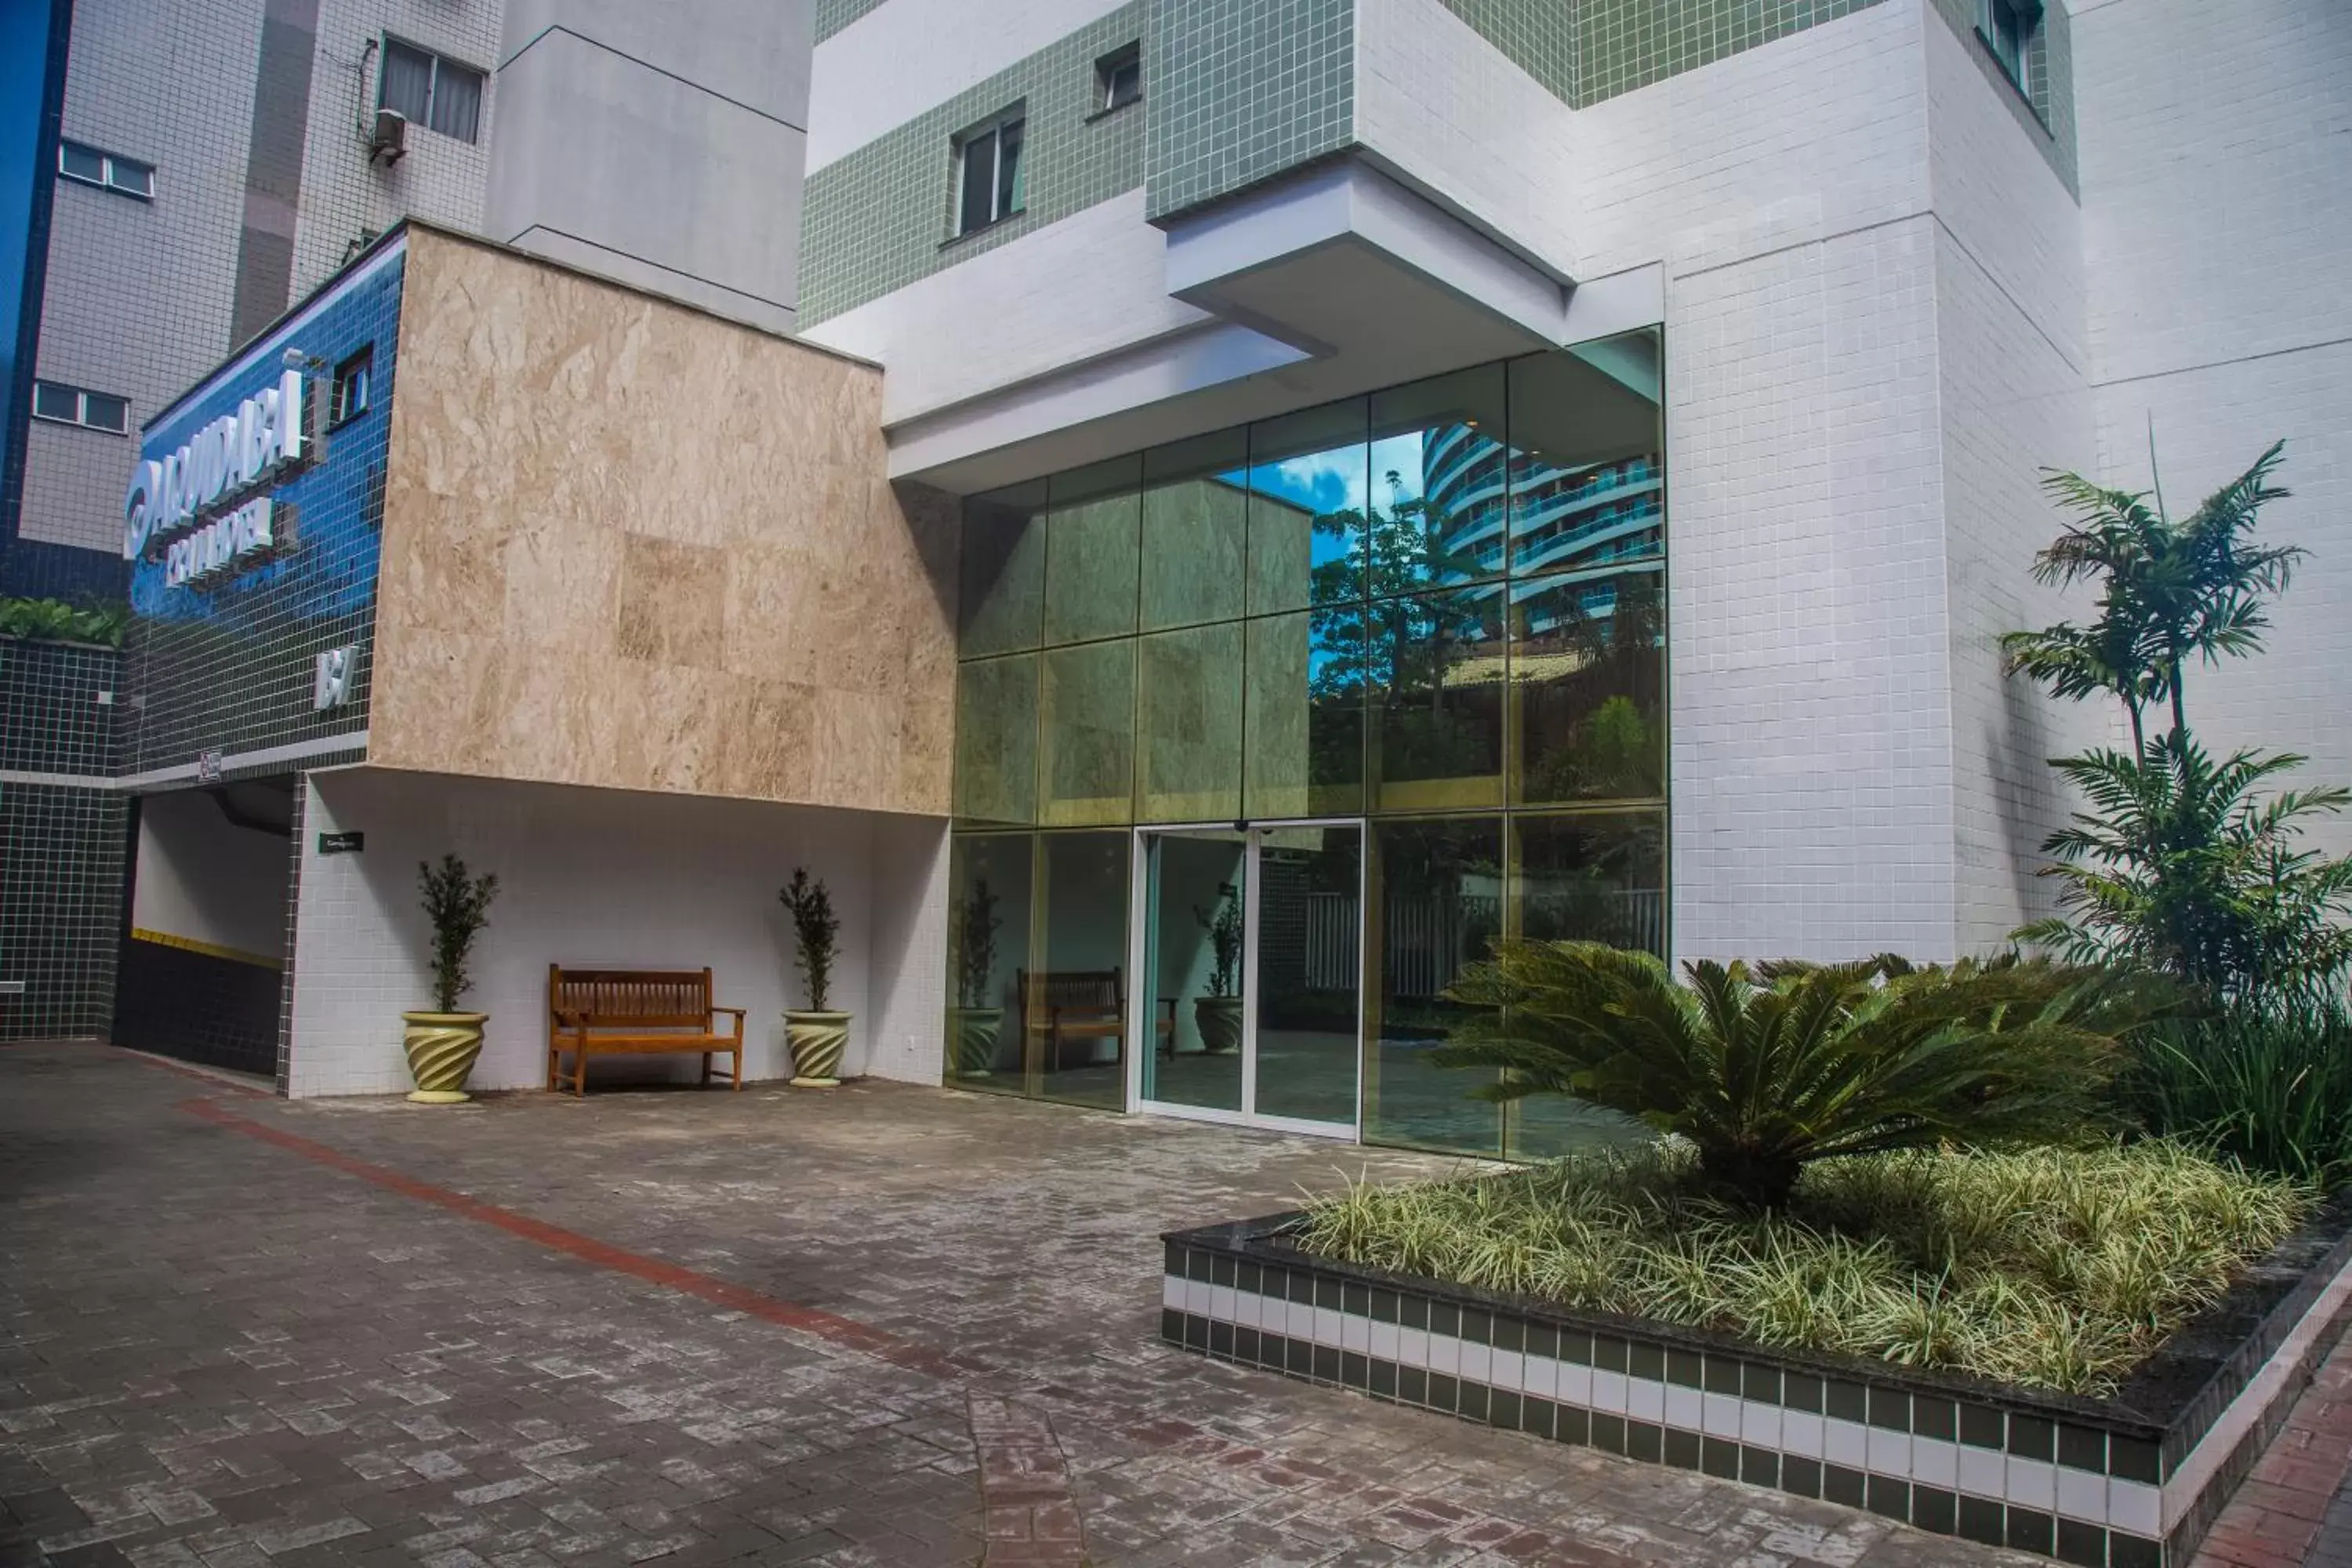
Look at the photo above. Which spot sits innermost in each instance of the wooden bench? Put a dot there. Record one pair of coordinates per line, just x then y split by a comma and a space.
1078, 1003
633, 1012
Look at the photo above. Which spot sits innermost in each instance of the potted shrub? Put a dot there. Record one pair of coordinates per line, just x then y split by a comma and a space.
973, 1027
816, 1036
1218, 1015
442, 1045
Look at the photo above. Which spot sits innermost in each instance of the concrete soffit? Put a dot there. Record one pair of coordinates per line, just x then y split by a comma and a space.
1334, 280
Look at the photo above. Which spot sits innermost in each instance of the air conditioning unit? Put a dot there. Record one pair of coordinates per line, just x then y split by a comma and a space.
388, 141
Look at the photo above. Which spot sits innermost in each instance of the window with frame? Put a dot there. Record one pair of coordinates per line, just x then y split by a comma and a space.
2008, 27
989, 184
432, 90
62, 404
87, 165
354, 381
1118, 78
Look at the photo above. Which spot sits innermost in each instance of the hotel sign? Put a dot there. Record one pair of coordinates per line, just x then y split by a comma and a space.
173, 510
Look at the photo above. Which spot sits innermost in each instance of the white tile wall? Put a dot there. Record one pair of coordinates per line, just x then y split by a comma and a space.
345, 196
1812, 801
593, 878
2213, 162
137, 297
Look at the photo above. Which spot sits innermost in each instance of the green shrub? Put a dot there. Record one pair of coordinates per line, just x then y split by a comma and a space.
2272, 1091
2056, 1269
1766, 1071
458, 906
53, 620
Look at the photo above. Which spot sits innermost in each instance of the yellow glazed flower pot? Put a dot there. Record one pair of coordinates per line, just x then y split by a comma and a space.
973, 1032
817, 1040
441, 1049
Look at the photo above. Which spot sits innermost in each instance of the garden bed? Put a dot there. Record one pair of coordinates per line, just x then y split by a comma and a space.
2128, 1480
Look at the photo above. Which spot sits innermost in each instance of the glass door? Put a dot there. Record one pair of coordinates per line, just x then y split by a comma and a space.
1188, 1000
1249, 1006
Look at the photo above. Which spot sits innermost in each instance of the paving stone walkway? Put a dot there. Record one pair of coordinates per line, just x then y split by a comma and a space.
888, 1326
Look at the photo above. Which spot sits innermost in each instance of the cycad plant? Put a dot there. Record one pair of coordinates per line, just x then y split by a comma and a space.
1766, 1070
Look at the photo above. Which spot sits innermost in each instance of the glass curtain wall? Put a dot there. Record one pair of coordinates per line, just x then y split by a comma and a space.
1440, 607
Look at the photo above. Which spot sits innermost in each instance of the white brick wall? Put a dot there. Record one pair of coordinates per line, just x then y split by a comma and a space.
2216, 146
442, 179
1813, 809
592, 876
137, 293
2014, 400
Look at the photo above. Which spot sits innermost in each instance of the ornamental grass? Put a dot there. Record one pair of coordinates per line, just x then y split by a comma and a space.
2060, 1268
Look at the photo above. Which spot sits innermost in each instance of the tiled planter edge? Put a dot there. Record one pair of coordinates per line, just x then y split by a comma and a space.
2128, 1482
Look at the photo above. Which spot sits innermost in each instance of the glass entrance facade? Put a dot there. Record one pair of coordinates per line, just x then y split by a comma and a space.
1437, 611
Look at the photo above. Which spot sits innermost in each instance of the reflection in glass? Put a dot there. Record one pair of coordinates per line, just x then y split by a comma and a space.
1304, 720
987, 952
1437, 700
1195, 523
1308, 478
1091, 542
1438, 492
1435, 904
1194, 947
1308, 951
1189, 725
1004, 570
996, 741
1589, 877
1588, 686
1074, 1002
1086, 734
1587, 478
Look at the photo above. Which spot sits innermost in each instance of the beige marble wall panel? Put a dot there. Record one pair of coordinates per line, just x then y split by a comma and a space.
629, 545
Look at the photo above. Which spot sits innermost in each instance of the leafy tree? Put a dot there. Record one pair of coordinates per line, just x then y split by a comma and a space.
2176, 864
458, 905
1766, 1070
973, 928
816, 933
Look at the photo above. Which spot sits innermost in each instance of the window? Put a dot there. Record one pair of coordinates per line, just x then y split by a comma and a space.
71, 405
88, 166
431, 90
988, 161
1118, 78
2007, 28
351, 378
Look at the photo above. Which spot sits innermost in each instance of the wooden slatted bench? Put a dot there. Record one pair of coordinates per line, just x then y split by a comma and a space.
1086, 1005
633, 1012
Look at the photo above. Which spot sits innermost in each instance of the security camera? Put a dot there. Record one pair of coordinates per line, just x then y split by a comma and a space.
295, 359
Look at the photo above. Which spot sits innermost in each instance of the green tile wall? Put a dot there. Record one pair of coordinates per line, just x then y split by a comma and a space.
833, 16
1537, 37
1236, 91
1627, 44
1242, 89
884, 216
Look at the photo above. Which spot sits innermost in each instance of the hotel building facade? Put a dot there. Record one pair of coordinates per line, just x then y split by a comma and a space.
1262, 499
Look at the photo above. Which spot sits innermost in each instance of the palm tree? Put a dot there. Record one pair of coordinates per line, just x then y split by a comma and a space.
2176, 864
2177, 867
2168, 591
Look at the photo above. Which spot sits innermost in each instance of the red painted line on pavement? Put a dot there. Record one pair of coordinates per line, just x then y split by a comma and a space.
833, 1329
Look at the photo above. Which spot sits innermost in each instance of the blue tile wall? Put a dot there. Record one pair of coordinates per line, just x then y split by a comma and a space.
229, 665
